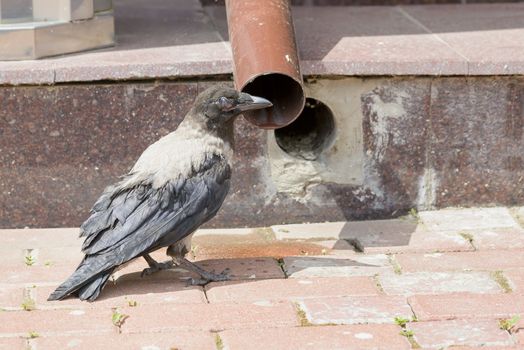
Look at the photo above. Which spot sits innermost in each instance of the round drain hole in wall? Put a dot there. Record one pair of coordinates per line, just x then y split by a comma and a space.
310, 134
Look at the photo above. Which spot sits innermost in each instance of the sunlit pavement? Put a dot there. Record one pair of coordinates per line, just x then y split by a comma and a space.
429, 279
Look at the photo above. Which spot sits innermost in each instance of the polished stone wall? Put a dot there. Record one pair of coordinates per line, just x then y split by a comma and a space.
426, 143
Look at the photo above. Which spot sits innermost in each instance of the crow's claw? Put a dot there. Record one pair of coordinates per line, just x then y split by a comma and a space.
157, 267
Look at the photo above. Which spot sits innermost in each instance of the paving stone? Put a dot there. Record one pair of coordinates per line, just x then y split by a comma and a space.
337, 246
422, 241
488, 46
353, 310
37, 274
509, 238
40, 256
254, 249
374, 235
516, 279
520, 337
379, 236
490, 260
336, 266
237, 232
466, 305
327, 230
11, 296
239, 268
289, 289
145, 341
254, 268
178, 317
390, 232
482, 348
40, 238
459, 332
49, 322
125, 292
354, 337
468, 219
438, 282
12, 343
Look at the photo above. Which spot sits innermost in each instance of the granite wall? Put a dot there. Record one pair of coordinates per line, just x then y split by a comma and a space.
424, 142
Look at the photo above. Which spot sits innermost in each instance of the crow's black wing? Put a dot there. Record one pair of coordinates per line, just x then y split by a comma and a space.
128, 223
137, 220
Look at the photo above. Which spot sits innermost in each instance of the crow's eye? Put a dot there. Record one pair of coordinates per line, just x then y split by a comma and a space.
225, 103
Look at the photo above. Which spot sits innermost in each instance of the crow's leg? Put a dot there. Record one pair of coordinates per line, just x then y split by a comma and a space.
205, 276
155, 266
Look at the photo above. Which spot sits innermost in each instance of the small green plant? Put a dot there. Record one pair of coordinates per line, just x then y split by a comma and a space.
408, 333
194, 249
508, 324
414, 214
48, 263
467, 236
118, 318
377, 283
32, 335
132, 303
401, 321
28, 305
30, 260
218, 342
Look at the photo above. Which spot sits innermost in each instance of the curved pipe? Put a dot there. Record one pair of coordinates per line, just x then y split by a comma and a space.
265, 59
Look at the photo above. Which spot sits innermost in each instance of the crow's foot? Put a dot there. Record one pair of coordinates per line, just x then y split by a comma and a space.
205, 276
209, 277
155, 266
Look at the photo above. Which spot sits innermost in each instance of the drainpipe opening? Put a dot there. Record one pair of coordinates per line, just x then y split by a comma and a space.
310, 134
283, 91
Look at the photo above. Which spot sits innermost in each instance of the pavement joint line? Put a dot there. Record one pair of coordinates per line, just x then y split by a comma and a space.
378, 284
394, 263
502, 281
301, 315
204, 288
408, 333
30, 344
219, 343
356, 244
469, 238
414, 318
281, 263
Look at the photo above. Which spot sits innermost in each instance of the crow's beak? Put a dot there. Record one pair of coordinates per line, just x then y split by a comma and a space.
249, 102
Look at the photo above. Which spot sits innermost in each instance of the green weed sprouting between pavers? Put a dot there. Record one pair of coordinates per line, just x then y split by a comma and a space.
30, 260
218, 342
118, 318
509, 323
32, 335
408, 333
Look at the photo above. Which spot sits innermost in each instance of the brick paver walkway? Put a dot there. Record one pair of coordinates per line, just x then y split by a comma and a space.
430, 280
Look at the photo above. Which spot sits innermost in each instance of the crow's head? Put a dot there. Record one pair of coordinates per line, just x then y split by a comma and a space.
220, 104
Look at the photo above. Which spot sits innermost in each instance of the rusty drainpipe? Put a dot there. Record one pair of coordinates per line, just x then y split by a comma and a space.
265, 59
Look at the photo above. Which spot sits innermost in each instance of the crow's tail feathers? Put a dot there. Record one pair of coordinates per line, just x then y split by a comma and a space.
87, 282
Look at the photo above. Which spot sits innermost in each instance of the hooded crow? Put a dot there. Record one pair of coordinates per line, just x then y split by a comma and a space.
177, 184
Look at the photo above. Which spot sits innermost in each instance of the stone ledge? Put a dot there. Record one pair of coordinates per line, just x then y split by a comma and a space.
184, 41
